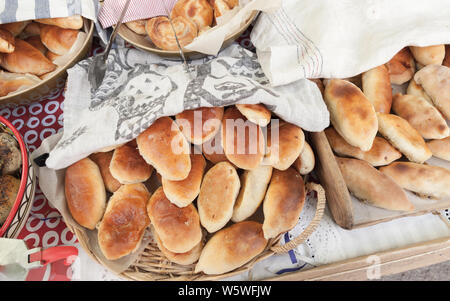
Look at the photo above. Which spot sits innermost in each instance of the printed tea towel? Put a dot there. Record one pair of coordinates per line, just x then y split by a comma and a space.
339, 39
139, 88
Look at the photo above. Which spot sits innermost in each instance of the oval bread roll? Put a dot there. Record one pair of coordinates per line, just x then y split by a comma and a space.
178, 228
231, 248
217, 197
446, 61
371, 186
184, 192
165, 148
424, 179
401, 67
421, 115
351, 113
305, 163
121, 230
72, 22
440, 148
200, 125
199, 11
381, 153
137, 26
36, 42
186, 258
377, 87
7, 43
128, 167
242, 140
283, 203
417, 90
285, 143
430, 55
403, 137
103, 161
258, 113
435, 80
253, 189
213, 151
58, 40
85, 193
9, 187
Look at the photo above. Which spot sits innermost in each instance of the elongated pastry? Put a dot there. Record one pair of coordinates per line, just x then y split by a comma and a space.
213, 150
242, 140
258, 113
58, 40
32, 29
184, 192
231, 248
72, 22
7, 41
199, 11
381, 153
253, 189
424, 179
15, 28
285, 143
283, 203
401, 67
403, 137
435, 80
121, 230
200, 125
430, 55
161, 33
26, 59
138, 26
372, 187
417, 90
85, 193
440, 148
128, 167
178, 228
103, 160
377, 87
11, 82
218, 193
421, 115
165, 148
306, 162
351, 113
36, 42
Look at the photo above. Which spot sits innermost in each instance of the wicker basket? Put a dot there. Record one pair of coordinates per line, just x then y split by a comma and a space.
152, 265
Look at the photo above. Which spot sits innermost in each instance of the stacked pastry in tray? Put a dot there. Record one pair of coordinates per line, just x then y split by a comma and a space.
10, 163
190, 18
218, 169
29, 50
383, 138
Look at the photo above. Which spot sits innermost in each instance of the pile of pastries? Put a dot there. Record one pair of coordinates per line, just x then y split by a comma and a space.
216, 170
190, 18
10, 163
29, 49
382, 138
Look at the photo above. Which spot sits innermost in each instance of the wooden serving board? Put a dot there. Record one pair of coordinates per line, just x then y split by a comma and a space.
348, 212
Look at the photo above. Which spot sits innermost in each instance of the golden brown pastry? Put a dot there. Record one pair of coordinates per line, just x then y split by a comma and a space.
253, 189
103, 160
58, 40
85, 193
424, 179
128, 167
381, 153
72, 22
231, 248
11, 82
10, 156
421, 115
26, 59
199, 11
36, 42
164, 147
446, 61
32, 29
401, 67
287, 145
417, 90
306, 162
222, 6
52, 56
373, 187
213, 151
218, 193
184, 192
403, 137
121, 230
15, 28
7, 41
351, 113
200, 125
242, 140
138, 26
430, 55
258, 113
161, 33
440, 148
9, 187
178, 228
377, 87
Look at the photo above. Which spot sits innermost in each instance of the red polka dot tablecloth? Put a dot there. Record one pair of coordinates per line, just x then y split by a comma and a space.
45, 227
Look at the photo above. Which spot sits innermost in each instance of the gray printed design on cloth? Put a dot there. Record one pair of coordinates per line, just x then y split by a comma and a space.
77, 133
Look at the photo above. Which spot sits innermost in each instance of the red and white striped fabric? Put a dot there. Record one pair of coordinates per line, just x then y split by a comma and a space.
139, 9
